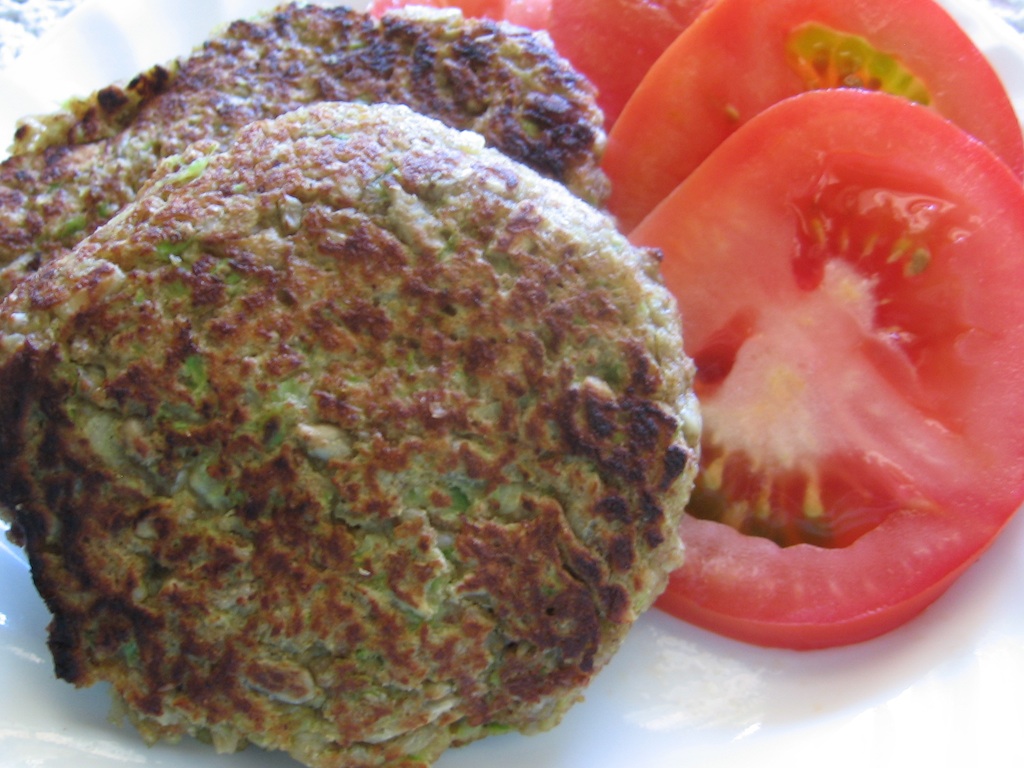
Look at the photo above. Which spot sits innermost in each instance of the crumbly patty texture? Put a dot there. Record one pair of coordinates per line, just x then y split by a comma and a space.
355, 440
71, 171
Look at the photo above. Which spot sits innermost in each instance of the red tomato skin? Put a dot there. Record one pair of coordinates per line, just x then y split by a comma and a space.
730, 64
696, 592
802, 596
614, 42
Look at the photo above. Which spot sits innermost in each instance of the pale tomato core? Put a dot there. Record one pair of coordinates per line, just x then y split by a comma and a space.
796, 435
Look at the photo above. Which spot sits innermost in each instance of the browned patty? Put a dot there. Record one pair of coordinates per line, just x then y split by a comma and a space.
73, 170
354, 439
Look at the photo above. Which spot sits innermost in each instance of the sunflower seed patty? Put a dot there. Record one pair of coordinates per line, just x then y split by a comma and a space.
73, 170
355, 439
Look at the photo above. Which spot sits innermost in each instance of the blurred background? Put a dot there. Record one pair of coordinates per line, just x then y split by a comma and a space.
21, 21
1011, 10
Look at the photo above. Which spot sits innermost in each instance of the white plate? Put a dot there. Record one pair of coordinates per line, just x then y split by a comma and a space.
946, 690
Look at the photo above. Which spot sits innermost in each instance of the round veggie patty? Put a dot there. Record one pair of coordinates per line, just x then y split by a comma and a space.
355, 439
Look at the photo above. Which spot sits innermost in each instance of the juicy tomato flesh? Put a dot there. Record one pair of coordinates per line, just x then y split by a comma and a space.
828, 505
741, 56
827, 58
851, 300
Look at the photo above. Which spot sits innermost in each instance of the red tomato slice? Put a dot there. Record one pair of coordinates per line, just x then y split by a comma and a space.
743, 55
614, 42
848, 267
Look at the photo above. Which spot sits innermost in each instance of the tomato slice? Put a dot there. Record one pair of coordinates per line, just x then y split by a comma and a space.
848, 267
743, 55
615, 42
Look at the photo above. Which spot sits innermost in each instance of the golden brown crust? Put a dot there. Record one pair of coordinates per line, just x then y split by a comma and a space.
355, 440
72, 171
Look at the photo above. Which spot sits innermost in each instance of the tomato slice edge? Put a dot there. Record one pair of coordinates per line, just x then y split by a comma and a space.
800, 630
